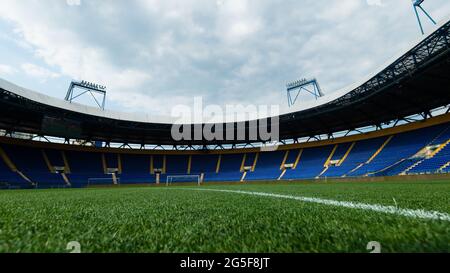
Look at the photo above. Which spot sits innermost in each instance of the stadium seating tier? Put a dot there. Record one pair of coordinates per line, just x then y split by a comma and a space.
28, 166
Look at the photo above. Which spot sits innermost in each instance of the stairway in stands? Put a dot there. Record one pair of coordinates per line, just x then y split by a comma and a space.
415, 164
445, 168
432, 147
427, 163
360, 169
433, 162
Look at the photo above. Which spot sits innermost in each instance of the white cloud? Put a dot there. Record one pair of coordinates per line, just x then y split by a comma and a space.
41, 73
378, 3
6, 70
73, 2
338, 10
237, 20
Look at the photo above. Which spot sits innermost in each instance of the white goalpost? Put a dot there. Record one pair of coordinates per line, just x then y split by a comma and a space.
183, 179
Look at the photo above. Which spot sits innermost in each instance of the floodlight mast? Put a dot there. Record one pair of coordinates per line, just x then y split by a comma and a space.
417, 4
87, 87
309, 86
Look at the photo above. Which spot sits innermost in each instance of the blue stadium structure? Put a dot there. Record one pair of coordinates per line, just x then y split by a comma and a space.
416, 84
417, 148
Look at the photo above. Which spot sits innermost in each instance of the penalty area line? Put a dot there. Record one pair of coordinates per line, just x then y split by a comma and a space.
412, 213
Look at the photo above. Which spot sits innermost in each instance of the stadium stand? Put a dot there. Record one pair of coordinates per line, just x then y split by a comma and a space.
267, 167
437, 159
204, 164
8, 174
402, 146
433, 163
311, 163
420, 151
85, 167
229, 169
359, 155
30, 162
136, 169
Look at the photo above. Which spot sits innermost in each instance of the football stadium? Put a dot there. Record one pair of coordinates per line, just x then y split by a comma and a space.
362, 169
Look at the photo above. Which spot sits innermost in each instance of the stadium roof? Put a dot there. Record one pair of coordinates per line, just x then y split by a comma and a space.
414, 82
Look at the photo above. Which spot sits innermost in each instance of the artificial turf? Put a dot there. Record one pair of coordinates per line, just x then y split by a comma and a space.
173, 219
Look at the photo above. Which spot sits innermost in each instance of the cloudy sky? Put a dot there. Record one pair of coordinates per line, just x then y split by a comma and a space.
155, 53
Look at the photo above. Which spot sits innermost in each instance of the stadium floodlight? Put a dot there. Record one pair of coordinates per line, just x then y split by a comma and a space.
87, 87
297, 87
417, 4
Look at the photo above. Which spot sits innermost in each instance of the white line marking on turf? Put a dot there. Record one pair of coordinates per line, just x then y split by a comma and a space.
413, 213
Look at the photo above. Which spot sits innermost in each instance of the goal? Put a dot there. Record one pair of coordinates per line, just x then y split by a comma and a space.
183, 179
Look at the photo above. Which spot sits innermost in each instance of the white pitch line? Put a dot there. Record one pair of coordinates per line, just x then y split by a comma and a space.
419, 213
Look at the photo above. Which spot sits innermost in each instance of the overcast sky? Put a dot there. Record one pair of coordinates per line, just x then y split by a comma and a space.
152, 54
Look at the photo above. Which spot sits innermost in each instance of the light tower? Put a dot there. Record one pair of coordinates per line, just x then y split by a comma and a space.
417, 4
303, 85
86, 87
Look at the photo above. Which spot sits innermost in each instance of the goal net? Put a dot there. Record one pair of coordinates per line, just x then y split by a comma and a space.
183, 179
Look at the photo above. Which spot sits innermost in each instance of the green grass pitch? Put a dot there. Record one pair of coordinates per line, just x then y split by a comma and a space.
184, 219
